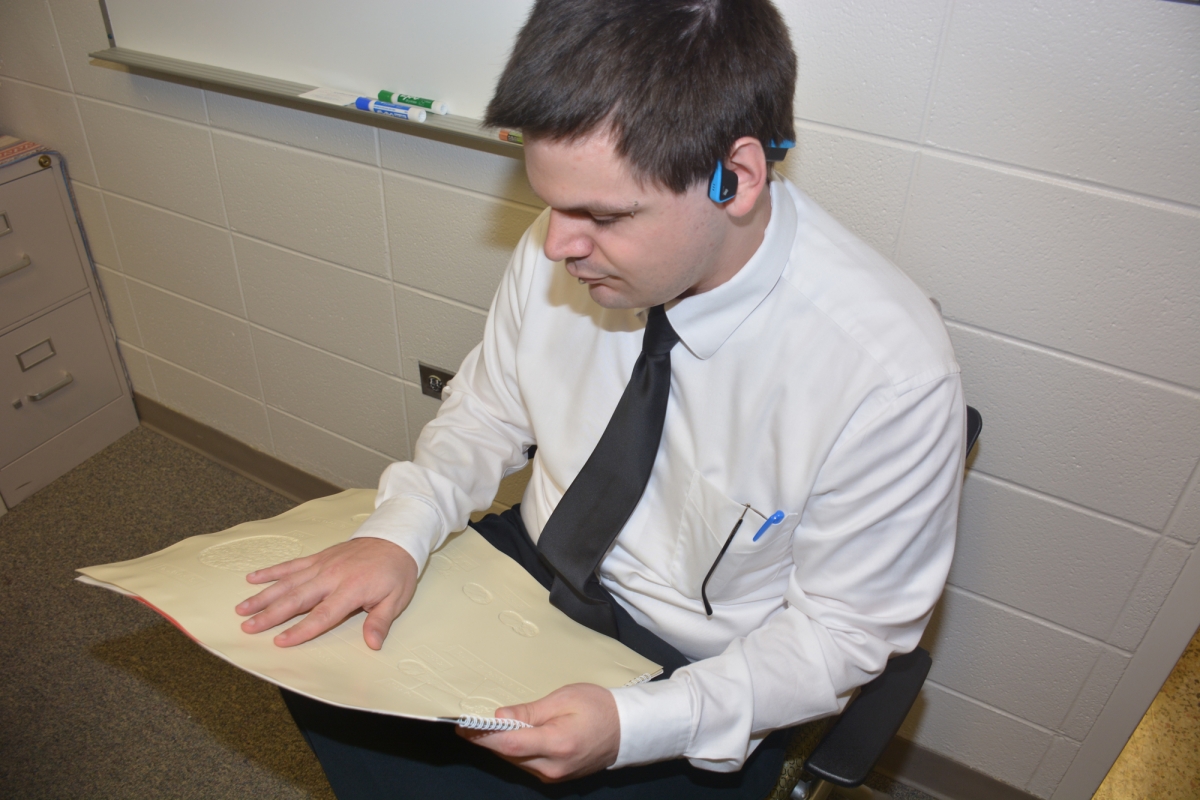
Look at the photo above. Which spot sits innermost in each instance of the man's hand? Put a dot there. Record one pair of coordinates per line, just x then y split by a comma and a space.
577, 732
372, 574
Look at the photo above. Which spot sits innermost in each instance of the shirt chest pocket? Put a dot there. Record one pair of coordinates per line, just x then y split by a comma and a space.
748, 568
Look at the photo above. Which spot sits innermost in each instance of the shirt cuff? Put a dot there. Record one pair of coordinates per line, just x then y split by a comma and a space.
656, 722
405, 521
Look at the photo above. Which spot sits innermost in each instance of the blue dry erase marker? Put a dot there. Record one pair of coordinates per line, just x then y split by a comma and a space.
398, 110
774, 519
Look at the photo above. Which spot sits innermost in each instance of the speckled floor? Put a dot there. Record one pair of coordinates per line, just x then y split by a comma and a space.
1161, 761
100, 697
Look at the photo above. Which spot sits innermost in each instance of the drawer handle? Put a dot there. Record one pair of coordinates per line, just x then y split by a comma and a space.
44, 393
17, 267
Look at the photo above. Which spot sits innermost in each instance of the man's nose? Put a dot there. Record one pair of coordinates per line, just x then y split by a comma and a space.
567, 237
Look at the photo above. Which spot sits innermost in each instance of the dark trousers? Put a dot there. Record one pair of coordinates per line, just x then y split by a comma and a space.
367, 755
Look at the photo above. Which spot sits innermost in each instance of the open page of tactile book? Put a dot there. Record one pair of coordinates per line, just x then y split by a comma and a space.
480, 632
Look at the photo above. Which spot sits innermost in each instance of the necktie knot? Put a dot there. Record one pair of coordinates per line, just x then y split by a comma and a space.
659, 337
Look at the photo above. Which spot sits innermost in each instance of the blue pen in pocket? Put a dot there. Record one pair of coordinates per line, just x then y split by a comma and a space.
774, 519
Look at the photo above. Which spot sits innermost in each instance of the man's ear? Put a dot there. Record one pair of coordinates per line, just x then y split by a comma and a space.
748, 161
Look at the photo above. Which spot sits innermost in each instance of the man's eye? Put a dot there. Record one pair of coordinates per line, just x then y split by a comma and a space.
604, 222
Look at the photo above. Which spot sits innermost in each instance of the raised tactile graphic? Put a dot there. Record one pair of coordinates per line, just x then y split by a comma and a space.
255, 552
477, 593
519, 624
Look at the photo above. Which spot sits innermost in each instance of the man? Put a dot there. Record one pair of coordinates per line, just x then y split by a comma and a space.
795, 524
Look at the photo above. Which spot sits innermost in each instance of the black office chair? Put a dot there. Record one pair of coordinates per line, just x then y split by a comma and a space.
848, 747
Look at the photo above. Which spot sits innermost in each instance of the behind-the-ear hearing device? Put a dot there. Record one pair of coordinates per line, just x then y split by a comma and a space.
723, 186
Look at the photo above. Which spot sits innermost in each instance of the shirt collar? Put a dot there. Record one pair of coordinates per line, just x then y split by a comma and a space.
705, 321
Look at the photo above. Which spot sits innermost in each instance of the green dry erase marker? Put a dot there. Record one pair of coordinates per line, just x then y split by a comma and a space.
436, 106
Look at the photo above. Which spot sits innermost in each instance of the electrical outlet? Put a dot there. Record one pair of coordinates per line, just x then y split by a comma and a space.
433, 379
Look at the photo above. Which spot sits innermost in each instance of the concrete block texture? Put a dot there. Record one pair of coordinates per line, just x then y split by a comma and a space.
1157, 579
81, 31
333, 308
434, 331
30, 47
1054, 765
1089, 435
474, 170
1086, 272
1055, 561
195, 337
154, 159
970, 733
120, 308
96, 225
1185, 522
321, 453
863, 183
176, 253
300, 126
1007, 660
1105, 91
326, 207
350, 400
866, 65
209, 402
451, 242
1098, 687
48, 117
138, 365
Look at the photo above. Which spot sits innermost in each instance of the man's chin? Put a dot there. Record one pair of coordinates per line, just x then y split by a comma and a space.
609, 297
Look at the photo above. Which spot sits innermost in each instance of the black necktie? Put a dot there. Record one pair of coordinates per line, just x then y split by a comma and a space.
599, 501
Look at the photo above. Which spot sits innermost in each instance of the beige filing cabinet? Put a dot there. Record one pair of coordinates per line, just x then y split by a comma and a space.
63, 392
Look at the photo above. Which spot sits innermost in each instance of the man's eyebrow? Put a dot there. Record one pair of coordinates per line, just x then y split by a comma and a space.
601, 210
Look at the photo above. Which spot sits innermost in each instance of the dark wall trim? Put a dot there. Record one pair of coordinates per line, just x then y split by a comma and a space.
279, 476
940, 777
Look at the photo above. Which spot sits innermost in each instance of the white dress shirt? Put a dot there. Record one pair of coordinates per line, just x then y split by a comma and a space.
819, 381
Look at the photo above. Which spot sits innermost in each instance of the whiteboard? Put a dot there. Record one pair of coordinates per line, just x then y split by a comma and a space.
452, 50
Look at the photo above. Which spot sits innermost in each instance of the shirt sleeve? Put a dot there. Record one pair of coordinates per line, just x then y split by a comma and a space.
872, 552
480, 434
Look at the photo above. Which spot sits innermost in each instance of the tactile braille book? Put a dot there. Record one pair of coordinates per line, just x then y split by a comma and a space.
480, 632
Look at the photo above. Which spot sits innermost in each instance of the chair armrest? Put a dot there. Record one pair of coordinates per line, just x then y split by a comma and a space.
857, 739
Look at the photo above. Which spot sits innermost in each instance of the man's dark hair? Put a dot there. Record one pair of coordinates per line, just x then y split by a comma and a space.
675, 82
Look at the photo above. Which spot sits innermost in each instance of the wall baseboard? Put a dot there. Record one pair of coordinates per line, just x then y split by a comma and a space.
279, 476
938, 776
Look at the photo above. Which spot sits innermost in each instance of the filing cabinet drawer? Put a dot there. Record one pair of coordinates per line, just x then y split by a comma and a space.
39, 263
54, 371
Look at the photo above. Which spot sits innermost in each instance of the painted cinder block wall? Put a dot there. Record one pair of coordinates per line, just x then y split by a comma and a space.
1035, 167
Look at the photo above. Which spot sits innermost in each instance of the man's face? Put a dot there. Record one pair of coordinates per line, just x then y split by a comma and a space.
634, 245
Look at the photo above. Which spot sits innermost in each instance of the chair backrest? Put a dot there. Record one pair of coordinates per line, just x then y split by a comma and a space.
974, 426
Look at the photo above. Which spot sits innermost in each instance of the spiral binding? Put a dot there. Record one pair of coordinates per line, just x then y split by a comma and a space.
478, 723
643, 678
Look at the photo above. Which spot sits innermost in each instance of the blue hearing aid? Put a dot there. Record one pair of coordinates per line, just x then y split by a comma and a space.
723, 186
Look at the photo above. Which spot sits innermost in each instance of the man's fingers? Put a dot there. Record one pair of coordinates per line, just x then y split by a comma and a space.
327, 614
380, 618
281, 570
371, 574
286, 604
256, 603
